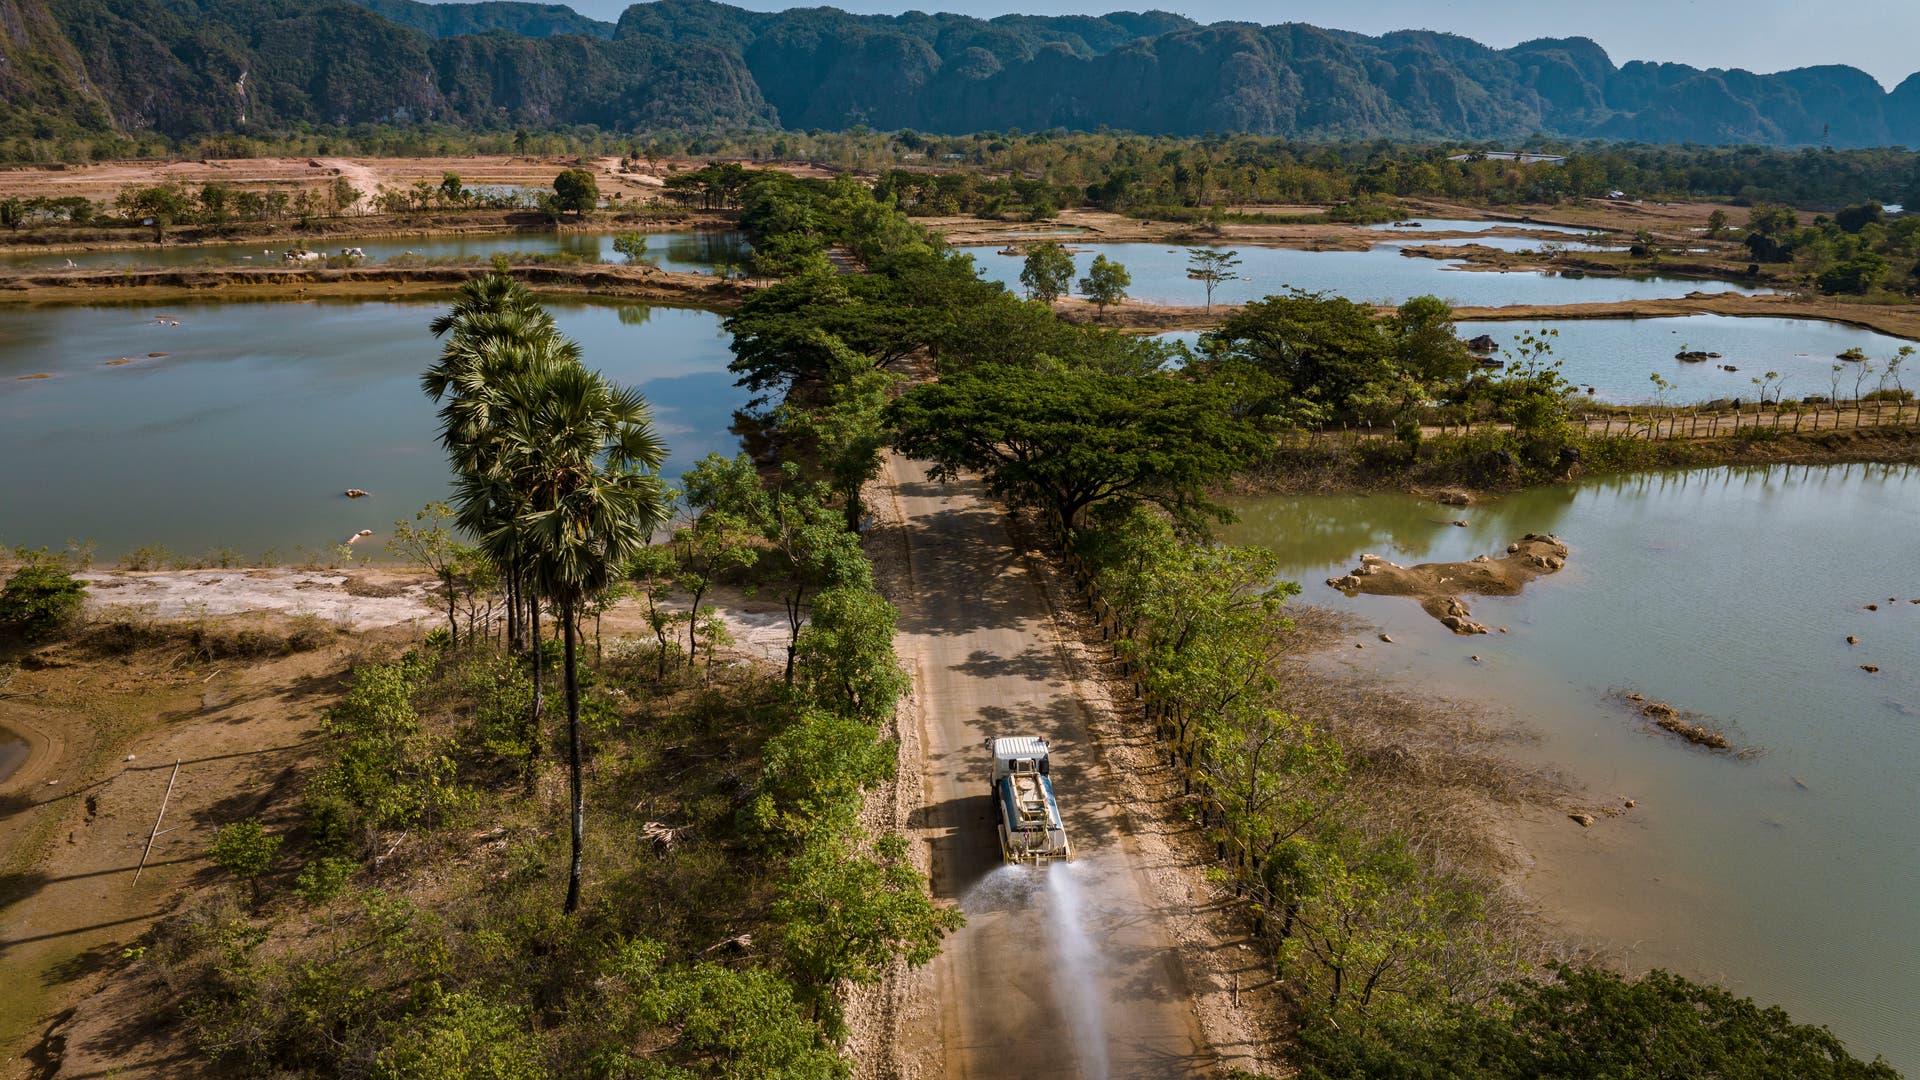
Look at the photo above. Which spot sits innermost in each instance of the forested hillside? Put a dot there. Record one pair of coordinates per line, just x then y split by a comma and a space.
186, 67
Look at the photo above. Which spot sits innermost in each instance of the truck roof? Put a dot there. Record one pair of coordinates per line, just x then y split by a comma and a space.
1021, 746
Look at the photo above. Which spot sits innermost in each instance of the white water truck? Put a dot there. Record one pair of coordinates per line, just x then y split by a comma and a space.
1023, 806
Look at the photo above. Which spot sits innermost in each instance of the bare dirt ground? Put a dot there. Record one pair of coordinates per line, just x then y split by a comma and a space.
107, 715
109, 727
103, 182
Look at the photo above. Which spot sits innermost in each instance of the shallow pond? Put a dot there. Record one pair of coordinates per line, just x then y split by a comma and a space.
1426, 225
13, 753
1381, 274
1616, 356
1791, 876
683, 250
245, 434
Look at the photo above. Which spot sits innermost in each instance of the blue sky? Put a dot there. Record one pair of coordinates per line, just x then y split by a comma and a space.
1877, 36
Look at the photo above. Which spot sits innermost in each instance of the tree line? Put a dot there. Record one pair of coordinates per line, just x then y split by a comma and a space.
1398, 958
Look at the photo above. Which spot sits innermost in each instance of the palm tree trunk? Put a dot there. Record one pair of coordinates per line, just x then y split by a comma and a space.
533, 722
579, 816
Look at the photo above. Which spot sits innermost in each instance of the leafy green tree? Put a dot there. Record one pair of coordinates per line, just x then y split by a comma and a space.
1314, 355
844, 657
845, 435
1047, 272
245, 850
576, 192
811, 552
847, 914
13, 212
813, 772
654, 571
1211, 268
633, 246
819, 328
1589, 1024
1860, 274
728, 506
40, 598
1716, 224
1070, 439
1106, 283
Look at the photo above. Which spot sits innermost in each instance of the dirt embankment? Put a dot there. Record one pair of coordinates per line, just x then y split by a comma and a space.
1439, 586
1897, 321
56, 241
95, 286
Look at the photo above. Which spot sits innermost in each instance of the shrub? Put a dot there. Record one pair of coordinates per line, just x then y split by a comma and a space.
39, 599
245, 850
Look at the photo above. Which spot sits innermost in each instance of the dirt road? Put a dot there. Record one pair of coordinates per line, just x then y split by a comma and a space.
1063, 970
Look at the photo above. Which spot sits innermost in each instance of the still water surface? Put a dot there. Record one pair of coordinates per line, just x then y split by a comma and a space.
246, 433
1795, 876
1617, 356
1381, 274
682, 251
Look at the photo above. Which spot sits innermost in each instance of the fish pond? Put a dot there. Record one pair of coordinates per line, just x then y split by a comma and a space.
682, 251
1790, 874
1380, 274
1616, 357
243, 432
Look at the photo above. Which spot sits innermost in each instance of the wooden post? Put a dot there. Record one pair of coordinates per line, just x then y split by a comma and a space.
164, 800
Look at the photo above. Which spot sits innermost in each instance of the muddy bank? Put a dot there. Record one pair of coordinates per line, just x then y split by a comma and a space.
145, 286
1439, 586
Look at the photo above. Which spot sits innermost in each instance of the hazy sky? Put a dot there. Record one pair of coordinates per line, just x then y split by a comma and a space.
1877, 36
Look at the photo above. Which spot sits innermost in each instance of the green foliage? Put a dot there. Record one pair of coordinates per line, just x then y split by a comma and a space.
847, 913
844, 658
575, 191
724, 1024
813, 773
633, 246
39, 599
1212, 267
465, 1037
1589, 1024
324, 878
1106, 283
1047, 272
1069, 439
244, 849
387, 771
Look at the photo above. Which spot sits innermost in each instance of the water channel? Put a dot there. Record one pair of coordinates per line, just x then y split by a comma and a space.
245, 433
1791, 876
1380, 274
679, 250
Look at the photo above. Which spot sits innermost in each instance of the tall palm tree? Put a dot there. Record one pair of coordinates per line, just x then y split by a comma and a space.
497, 330
584, 456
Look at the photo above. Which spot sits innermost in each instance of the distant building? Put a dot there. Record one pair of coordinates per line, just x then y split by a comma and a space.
1522, 157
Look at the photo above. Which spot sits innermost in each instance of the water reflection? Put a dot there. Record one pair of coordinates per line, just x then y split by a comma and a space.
256, 416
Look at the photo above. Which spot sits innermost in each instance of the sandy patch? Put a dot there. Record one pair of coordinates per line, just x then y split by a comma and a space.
356, 599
